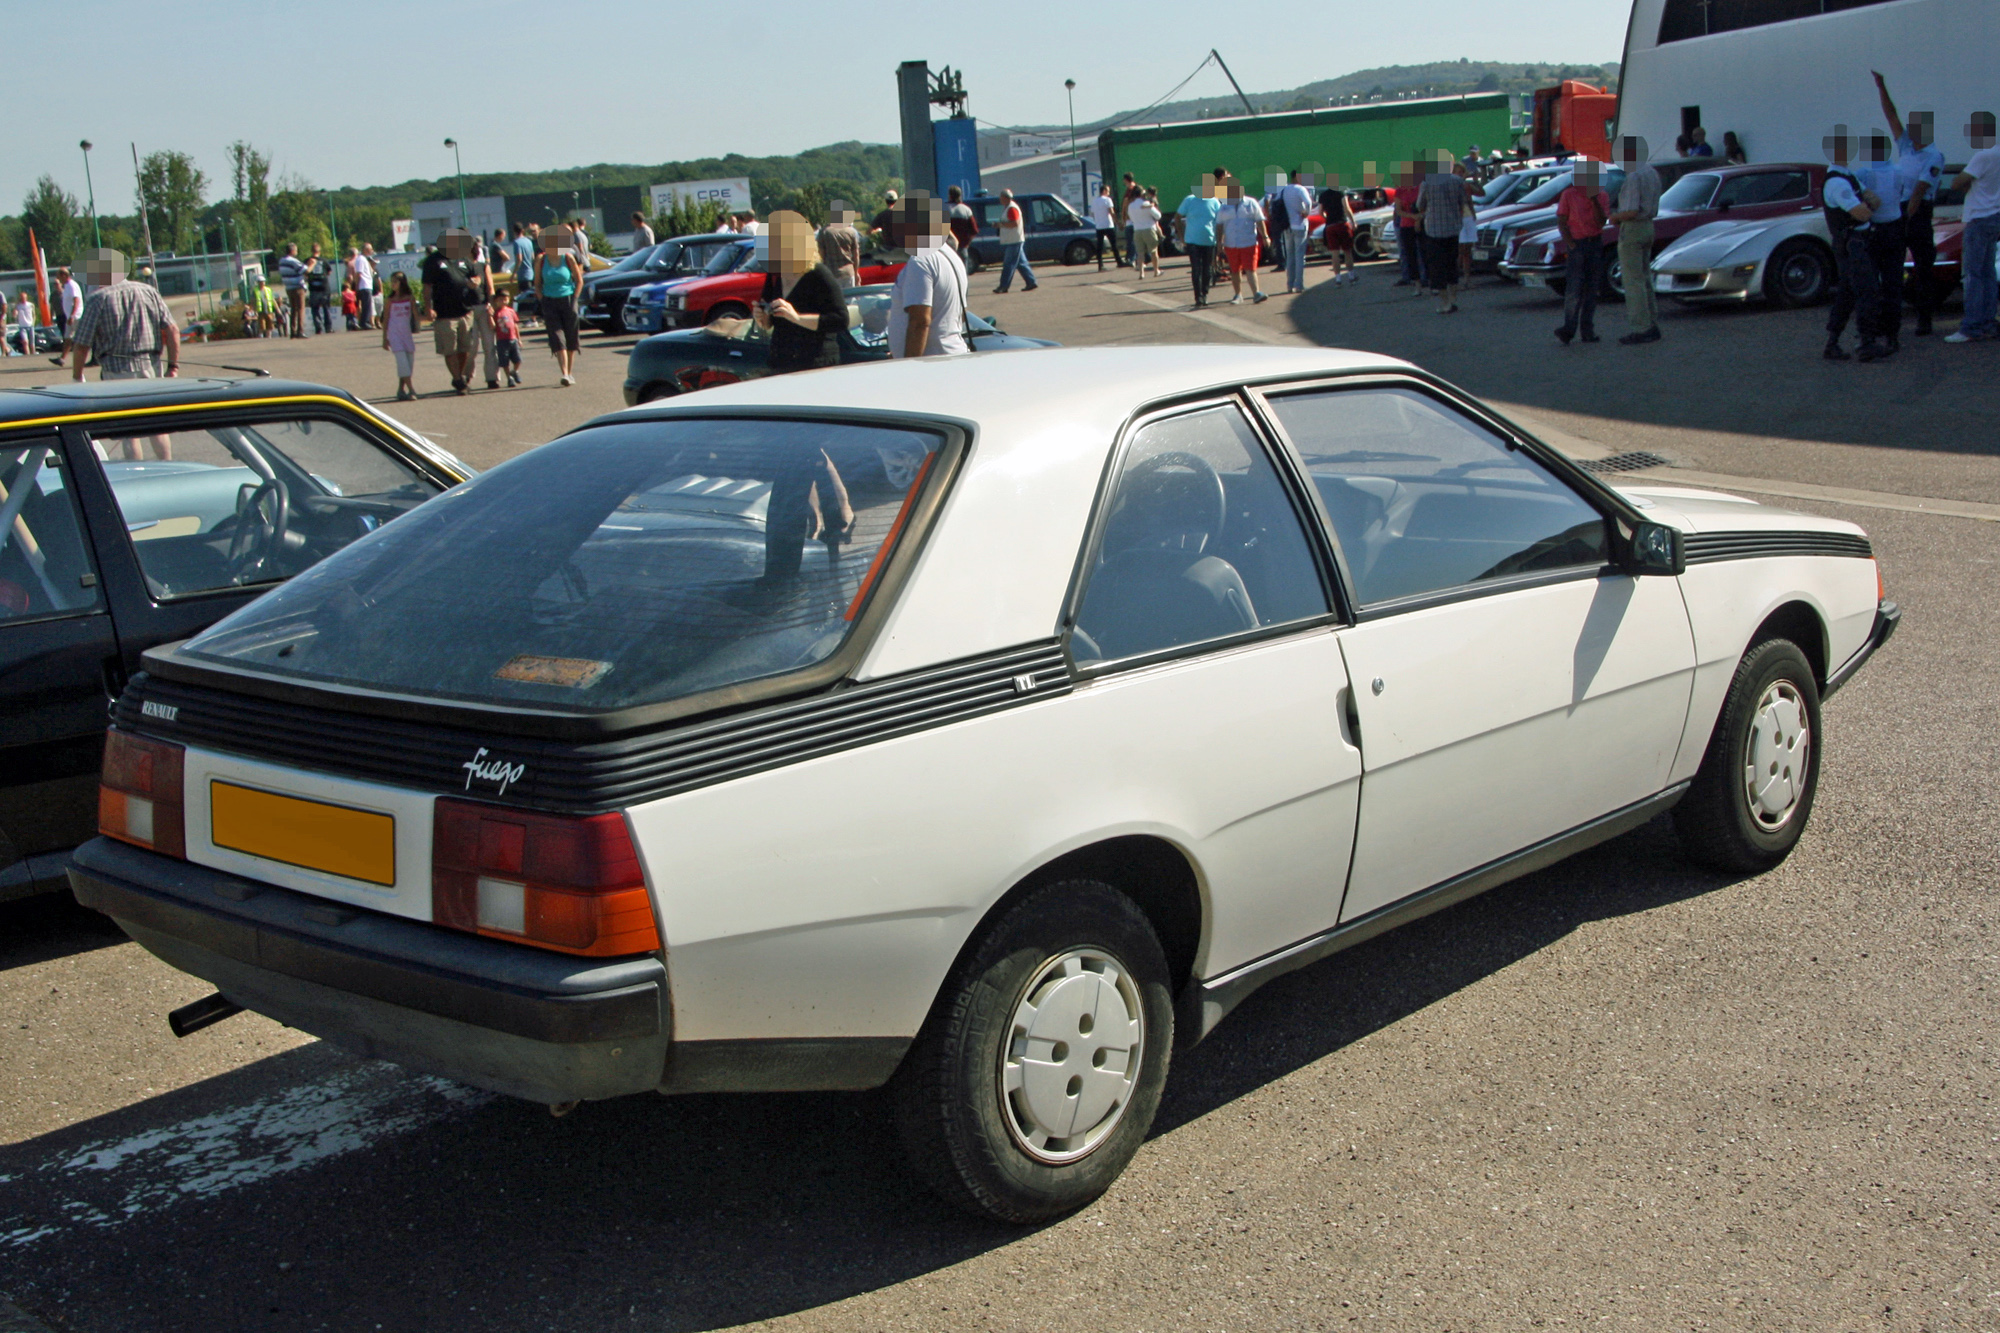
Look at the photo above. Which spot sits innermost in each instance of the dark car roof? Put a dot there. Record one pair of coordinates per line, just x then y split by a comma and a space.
70, 399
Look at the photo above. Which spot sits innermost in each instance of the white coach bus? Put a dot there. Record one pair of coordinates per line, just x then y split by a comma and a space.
1781, 72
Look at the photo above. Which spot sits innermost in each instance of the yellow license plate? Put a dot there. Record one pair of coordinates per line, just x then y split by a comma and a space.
359, 844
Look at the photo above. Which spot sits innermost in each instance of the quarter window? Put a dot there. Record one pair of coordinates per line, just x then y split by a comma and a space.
1200, 542
234, 505
1424, 500
44, 565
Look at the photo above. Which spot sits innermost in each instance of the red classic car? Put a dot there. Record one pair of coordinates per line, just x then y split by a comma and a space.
692, 302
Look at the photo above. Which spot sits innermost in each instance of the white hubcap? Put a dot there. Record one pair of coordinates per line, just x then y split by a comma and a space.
1776, 756
1072, 1055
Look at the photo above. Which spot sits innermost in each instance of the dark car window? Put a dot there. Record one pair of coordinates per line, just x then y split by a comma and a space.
1423, 499
1762, 187
242, 504
727, 259
637, 259
1691, 191
44, 560
1049, 215
1200, 542
624, 564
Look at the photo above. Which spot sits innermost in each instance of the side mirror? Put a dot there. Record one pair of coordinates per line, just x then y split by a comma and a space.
1656, 548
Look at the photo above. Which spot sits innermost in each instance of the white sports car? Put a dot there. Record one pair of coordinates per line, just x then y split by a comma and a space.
1785, 260
984, 726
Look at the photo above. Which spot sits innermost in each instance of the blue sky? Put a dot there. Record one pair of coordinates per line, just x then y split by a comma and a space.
364, 92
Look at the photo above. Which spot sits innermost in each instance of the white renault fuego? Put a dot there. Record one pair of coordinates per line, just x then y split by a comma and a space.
981, 727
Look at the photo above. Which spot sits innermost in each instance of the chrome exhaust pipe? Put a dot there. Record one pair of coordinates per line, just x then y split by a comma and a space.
194, 1017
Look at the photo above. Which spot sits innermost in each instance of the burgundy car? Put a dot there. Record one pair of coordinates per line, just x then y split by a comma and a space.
1723, 194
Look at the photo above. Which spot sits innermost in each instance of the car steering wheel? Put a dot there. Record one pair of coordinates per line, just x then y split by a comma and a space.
1207, 480
263, 516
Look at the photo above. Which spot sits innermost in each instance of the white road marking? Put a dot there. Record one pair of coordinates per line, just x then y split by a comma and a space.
115, 1181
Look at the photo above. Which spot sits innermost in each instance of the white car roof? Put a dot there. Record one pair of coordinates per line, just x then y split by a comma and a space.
999, 559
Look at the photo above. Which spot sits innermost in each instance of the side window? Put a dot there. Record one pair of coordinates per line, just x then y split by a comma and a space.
1200, 542
242, 504
1048, 215
1762, 187
44, 560
1423, 499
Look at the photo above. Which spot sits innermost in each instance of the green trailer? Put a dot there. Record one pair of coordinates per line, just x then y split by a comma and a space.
1349, 141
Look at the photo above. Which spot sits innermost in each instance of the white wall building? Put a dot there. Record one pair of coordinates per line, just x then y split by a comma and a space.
1782, 73
484, 216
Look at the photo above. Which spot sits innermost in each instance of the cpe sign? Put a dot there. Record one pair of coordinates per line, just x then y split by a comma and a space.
732, 193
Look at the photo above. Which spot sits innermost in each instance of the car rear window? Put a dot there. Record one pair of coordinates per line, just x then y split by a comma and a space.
627, 564
1691, 191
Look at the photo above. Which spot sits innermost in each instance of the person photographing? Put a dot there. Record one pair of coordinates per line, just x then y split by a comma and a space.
804, 305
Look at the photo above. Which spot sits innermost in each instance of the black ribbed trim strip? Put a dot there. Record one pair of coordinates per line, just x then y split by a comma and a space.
600, 775
1706, 547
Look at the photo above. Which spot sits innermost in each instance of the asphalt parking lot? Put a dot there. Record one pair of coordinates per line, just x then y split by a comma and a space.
1622, 1092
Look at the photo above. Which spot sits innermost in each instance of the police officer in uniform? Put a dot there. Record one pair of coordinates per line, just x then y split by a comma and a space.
1850, 212
1886, 243
1921, 166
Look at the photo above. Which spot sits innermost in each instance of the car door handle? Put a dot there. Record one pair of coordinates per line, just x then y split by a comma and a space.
1350, 719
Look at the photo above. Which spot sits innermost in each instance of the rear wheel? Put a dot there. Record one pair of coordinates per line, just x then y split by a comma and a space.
1036, 1075
1799, 272
1079, 252
1613, 288
1753, 794
655, 391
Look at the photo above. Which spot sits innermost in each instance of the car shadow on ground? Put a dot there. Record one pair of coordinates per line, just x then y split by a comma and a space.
50, 926
1711, 361
669, 1214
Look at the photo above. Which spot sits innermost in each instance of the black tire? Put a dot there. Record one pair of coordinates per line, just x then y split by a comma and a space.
655, 391
1612, 286
1799, 273
614, 327
960, 1129
1716, 821
727, 310
1365, 249
1079, 252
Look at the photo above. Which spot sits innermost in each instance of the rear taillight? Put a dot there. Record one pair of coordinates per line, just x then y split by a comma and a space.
139, 799
568, 882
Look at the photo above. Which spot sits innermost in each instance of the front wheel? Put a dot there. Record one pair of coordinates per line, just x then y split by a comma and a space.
1079, 252
1751, 797
1798, 273
1036, 1076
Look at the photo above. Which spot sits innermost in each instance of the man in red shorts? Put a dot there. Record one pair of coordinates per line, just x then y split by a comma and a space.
1338, 236
1241, 225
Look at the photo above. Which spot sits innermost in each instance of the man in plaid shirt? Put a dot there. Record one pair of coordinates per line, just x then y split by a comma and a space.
126, 324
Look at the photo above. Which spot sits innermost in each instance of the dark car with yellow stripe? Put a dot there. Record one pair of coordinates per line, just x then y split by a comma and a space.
137, 512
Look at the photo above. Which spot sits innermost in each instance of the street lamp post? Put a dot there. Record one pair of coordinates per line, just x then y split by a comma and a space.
332, 224
1069, 86
95, 235
463, 220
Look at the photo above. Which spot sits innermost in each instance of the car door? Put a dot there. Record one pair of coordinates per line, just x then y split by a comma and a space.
1216, 698
1051, 227
56, 642
197, 514
1511, 685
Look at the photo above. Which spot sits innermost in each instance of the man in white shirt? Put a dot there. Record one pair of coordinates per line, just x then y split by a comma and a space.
927, 309
1241, 223
642, 235
1103, 216
1981, 182
363, 274
1298, 217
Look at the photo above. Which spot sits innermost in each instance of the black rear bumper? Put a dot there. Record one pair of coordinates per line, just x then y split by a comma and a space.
530, 1023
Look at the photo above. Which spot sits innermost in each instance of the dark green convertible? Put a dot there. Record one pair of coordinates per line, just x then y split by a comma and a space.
729, 350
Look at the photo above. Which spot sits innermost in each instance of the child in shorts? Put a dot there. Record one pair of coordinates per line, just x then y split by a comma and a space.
507, 337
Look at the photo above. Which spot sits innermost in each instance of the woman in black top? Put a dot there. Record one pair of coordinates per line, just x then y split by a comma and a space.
804, 304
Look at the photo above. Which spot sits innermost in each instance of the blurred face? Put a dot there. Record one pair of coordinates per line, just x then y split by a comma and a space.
919, 222
1586, 175
1980, 130
793, 247
457, 244
1839, 148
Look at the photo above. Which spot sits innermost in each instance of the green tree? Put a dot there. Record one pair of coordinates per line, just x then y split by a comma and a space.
1489, 82
173, 187
298, 213
56, 219
250, 174
687, 218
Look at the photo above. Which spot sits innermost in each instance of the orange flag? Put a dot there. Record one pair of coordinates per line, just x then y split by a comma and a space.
41, 278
